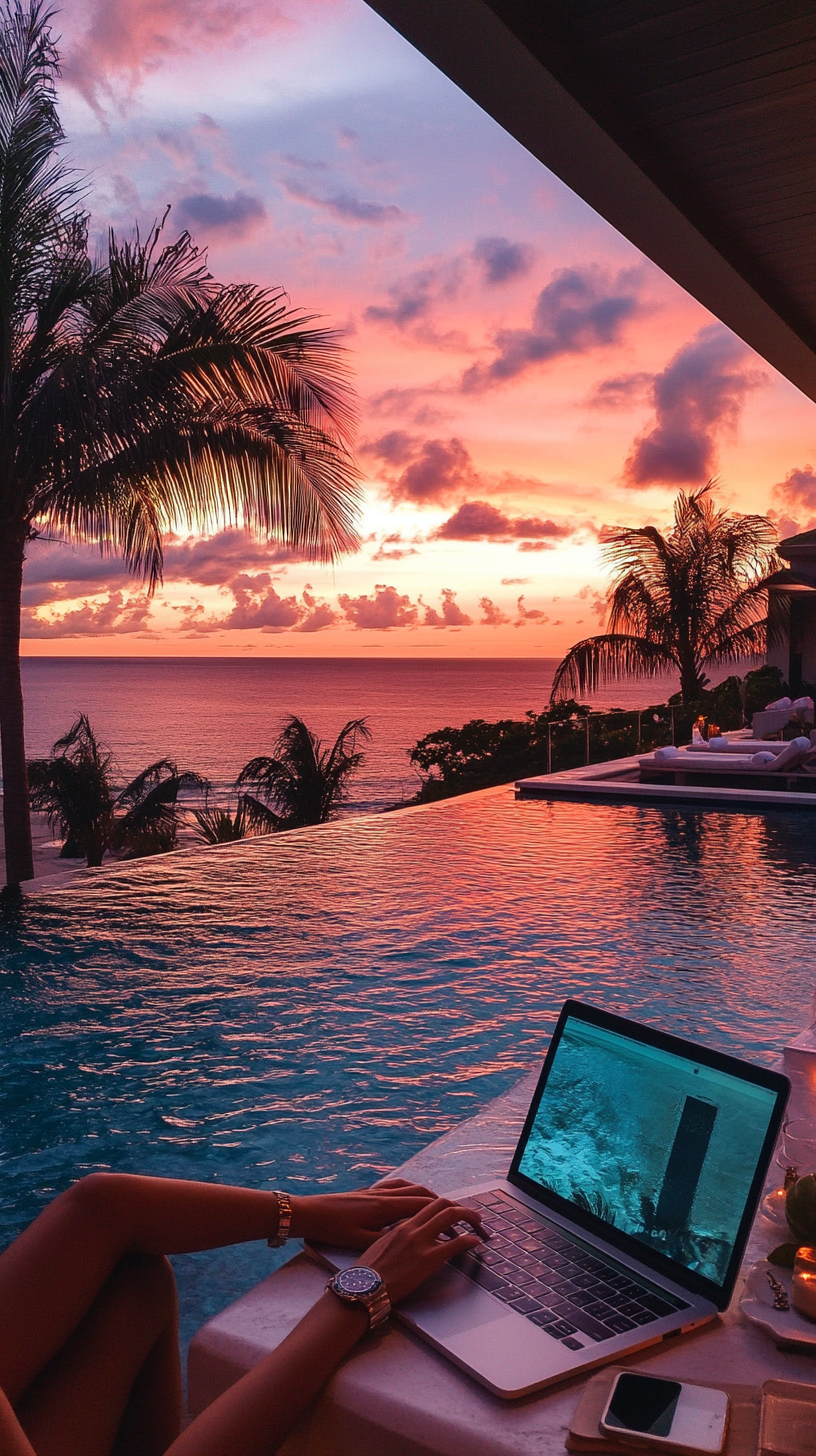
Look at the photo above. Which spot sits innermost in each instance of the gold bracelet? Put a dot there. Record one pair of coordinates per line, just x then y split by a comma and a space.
284, 1220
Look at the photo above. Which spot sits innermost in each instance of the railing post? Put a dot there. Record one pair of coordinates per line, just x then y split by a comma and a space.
672, 727
549, 747
640, 727
586, 720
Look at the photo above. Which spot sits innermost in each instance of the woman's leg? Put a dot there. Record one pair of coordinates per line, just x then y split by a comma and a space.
115, 1386
51, 1275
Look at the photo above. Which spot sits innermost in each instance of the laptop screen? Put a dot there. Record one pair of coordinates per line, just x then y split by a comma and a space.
660, 1140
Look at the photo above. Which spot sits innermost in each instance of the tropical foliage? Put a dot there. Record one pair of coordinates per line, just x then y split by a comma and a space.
139, 394
219, 826
74, 789
303, 782
683, 602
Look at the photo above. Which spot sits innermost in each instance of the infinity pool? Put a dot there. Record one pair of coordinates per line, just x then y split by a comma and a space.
310, 1010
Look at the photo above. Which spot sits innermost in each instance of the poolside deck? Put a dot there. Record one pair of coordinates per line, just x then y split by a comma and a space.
620, 780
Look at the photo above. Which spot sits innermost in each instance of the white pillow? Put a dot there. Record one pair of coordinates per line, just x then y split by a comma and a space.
763, 758
803, 704
718, 745
792, 754
780, 703
663, 755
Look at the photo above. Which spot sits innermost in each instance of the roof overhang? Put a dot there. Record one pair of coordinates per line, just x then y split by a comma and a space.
516, 65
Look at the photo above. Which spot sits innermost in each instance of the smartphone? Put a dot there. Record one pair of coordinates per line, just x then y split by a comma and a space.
666, 1415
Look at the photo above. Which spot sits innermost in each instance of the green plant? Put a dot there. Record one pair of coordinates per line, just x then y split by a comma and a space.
685, 601
218, 826
304, 782
138, 392
73, 788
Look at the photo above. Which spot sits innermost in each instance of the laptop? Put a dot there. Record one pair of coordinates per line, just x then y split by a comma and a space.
624, 1214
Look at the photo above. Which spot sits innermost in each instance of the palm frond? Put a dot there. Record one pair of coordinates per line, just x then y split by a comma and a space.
611, 658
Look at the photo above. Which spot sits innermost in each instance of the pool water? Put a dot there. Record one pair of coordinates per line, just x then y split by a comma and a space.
309, 1010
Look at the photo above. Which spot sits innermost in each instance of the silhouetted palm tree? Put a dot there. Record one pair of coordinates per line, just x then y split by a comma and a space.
688, 600
73, 788
137, 394
219, 826
304, 783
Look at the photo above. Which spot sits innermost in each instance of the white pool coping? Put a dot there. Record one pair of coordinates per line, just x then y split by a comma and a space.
397, 1397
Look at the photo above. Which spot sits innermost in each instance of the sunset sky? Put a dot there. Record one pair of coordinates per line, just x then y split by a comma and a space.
525, 375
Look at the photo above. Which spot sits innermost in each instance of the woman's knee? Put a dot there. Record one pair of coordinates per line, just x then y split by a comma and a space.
102, 1198
148, 1279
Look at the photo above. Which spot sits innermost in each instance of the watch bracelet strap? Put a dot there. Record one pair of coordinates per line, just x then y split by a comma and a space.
284, 1220
379, 1308
377, 1304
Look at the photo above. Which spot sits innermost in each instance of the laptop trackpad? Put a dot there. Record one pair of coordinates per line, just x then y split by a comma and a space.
448, 1304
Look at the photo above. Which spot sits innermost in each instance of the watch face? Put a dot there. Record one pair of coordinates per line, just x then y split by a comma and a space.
358, 1280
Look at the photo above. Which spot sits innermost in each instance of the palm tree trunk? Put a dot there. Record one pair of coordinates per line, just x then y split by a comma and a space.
16, 813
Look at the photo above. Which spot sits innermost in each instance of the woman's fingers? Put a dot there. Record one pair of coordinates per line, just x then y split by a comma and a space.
442, 1214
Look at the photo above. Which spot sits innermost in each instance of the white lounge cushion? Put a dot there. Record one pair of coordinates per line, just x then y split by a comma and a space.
740, 746
780, 703
792, 755
802, 705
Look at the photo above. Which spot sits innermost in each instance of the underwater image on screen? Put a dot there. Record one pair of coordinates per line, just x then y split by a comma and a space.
662, 1148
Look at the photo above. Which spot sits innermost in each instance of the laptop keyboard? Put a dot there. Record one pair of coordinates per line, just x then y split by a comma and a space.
557, 1282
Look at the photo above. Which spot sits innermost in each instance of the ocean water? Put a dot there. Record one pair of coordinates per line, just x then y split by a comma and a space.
311, 1009
213, 715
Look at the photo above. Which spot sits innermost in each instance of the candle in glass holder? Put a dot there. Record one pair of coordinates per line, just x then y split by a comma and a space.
803, 1293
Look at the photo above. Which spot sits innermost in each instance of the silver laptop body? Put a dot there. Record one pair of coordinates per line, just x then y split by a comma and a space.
624, 1214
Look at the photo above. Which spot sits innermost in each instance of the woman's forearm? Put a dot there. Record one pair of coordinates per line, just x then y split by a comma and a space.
256, 1414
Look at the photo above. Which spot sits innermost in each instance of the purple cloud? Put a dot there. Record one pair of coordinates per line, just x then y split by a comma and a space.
413, 297
621, 392
345, 207
233, 217
501, 260
580, 309
386, 609
698, 395
480, 521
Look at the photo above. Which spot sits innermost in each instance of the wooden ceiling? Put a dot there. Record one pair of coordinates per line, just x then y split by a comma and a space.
690, 127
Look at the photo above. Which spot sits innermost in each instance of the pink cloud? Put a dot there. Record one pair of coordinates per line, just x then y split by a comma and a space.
492, 616
450, 616
386, 609
128, 38
117, 615
795, 497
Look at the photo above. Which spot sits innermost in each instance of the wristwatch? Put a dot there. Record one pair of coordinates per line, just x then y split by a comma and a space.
359, 1285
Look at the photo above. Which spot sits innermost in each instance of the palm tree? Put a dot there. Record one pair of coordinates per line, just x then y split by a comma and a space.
682, 602
148, 818
137, 394
74, 789
305, 782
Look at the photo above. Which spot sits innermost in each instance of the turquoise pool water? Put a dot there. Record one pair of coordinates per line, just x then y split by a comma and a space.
312, 1009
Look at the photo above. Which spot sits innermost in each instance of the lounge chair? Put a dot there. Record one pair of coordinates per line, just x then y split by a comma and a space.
774, 766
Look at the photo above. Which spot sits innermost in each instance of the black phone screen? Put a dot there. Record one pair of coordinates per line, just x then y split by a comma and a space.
643, 1403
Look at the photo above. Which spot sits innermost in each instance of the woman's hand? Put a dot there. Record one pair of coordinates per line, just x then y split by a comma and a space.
354, 1220
408, 1254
